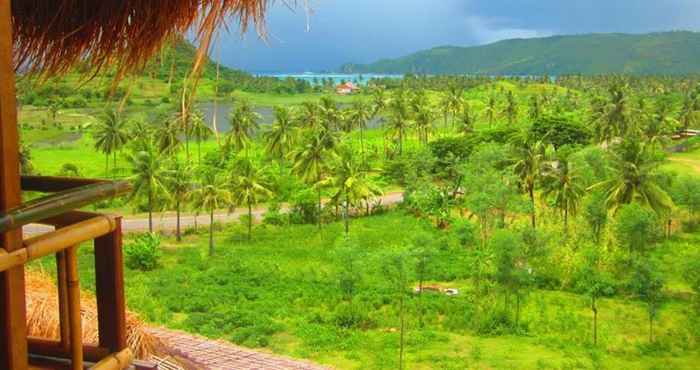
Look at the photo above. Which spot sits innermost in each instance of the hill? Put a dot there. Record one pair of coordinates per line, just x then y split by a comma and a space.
655, 53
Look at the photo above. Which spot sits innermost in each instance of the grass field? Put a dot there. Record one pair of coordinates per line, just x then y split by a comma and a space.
282, 291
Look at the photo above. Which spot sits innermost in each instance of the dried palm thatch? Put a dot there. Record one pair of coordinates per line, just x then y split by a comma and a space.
52, 36
43, 317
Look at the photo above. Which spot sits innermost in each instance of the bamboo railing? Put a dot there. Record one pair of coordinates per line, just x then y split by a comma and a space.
73, 228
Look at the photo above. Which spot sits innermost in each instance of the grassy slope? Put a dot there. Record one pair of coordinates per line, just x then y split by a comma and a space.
279, 291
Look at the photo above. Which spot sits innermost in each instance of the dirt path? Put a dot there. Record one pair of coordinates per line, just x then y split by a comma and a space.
695, 164
167, 222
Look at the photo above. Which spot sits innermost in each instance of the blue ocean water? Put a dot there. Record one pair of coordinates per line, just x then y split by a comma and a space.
317, 78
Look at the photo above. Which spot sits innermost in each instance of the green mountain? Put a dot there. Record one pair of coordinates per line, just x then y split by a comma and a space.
654, 53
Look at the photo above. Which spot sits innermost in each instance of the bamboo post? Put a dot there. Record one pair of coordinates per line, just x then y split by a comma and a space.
13, 327
109, 281
116, 361
75, 321
63, 314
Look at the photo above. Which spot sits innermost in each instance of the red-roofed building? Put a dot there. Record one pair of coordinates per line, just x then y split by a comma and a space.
346, 88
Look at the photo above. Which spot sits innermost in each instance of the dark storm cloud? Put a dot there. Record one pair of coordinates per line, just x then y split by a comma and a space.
366, 30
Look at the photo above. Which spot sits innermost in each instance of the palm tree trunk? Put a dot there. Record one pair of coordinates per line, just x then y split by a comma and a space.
114, 163
106, 164
211, 232
250, 219
320, 208
362, 145
594, 308
347, 214
178, 236
150, 209
531, 190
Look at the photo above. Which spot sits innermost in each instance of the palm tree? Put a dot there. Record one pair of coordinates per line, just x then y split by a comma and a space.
612, 117
329, 114
535, 108
660, 124
351, 184
529, 157
111, 134
311, 161
425, 115
454, 101
281, 135
169, 135
689, 112
148, 176
200, 131
491, 110
564, 185
360, 115
309, 116
635, 179
210, 194
511, 109
179, 185
244, 123
248, 186
466, 120
400, 118
379, 100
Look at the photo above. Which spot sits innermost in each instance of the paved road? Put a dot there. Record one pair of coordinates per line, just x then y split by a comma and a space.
167, 222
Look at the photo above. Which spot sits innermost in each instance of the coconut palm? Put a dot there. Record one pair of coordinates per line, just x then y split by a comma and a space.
535, 111
528, 160
311, 162
511, 109
400, 117
379, 100
244, 123
111, 134
351, 184
424, 117
454, 100
309, 116
689, 112
360, 115
491, 110
612, 117
208, 196
329, 114
563, 184
635, 178
249, 186
148, 176
179, 184
281, 136
169, 135
466, 120
200, 131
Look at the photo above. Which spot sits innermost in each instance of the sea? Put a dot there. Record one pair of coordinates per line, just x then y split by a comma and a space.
318, 78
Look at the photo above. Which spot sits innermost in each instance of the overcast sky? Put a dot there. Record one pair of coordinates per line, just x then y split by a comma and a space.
363, 31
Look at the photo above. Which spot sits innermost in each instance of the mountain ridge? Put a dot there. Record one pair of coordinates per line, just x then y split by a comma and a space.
674, 52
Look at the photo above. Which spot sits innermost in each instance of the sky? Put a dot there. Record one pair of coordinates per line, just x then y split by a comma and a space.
363, 31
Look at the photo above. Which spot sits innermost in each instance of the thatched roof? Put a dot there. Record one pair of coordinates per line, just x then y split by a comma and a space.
53, 35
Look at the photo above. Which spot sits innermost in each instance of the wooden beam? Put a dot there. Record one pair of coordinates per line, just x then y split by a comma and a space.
13, 327
52, 348
109, 284
63, 315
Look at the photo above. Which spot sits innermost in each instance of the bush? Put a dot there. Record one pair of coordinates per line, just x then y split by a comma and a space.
559, 131
304, 207
143, 253
637, 228
274, 216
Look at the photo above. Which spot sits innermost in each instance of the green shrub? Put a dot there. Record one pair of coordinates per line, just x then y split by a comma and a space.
143, 253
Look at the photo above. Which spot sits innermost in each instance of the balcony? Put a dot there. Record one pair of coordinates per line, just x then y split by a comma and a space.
60, 208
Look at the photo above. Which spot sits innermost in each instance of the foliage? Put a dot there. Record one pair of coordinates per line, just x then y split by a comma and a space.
559, 131
637, 228
143, 252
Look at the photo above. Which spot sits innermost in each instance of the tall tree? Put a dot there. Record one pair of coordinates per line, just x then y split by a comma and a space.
635, 178
281, 136
564, 185
491, 110
351, 184
528, 158
149, 176
311, 162
200, 132
244, 123
400, 118
179, 185
111, 134
248, 184
511, 108
208, 196
360, 115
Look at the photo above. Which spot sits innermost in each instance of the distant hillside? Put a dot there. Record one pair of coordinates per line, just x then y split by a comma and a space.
654, 53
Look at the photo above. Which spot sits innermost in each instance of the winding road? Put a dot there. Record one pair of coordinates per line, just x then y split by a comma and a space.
167, 222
